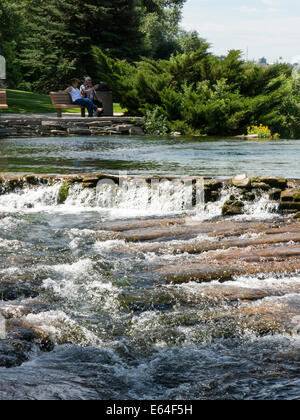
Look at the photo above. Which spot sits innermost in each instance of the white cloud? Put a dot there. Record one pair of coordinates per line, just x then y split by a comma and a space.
245, 9
268, 28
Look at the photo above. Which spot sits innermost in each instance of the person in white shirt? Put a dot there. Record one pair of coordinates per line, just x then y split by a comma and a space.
78, 99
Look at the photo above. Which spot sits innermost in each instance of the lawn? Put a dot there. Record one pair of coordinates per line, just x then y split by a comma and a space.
20, 102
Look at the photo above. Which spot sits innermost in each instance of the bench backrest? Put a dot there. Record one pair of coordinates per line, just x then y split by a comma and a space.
2, 97
60, 98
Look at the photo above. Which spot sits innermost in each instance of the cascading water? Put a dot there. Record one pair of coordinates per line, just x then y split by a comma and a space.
107, 327
137, 199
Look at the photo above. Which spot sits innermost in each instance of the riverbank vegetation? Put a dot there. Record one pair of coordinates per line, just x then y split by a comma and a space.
201, 92
47, 43
155, 69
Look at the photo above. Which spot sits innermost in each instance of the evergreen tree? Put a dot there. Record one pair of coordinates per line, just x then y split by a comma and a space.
198, 91
49, 56
11, 21
61, 34
11, 35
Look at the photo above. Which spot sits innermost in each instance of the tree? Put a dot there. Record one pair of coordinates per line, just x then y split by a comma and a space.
62, 34
13, 67
190, 41
49, 55
160, 25
198, 91
11, 20
11, 34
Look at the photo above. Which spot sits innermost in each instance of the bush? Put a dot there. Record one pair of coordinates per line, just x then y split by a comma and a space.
156, 123
262, 131
205, 94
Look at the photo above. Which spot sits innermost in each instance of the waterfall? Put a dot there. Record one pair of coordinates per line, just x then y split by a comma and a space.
137, 198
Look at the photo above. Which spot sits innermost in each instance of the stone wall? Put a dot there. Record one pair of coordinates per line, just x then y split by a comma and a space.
69, 126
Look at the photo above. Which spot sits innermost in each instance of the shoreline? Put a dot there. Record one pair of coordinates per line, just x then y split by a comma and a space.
23, 126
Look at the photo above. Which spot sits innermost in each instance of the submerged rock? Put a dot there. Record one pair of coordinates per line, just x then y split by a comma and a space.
63, 192
233, 208
10, 292
275, 194
212, 190
260, 186
248, 196
290, 200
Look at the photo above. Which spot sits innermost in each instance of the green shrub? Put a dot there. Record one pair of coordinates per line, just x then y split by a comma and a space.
206, 94
156, 123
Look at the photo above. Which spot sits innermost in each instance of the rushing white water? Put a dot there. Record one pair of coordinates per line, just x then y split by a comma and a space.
120, 332
138, 198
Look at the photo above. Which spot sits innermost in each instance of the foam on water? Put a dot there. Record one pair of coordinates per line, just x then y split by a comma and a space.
62, 328
30, 199
261, 208
132, 337
134, 200
264, 280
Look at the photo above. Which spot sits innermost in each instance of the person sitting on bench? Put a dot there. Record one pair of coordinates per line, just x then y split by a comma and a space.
87, 90
79, 100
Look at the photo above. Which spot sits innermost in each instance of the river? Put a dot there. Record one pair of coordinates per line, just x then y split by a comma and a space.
107, 325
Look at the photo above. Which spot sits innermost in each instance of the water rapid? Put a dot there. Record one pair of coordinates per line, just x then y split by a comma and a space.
87, 315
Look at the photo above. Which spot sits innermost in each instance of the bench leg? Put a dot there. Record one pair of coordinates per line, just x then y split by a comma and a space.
59, 113
83, 112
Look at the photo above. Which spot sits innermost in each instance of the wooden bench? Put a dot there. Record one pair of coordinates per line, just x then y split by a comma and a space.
62, 100
3, 104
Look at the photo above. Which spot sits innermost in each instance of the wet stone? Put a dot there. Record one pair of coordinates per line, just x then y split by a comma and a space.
278, 183
241, 181
249, 196
79, 131
13, 353
20, 341
260, 186
233, 208
275, 194
9, 292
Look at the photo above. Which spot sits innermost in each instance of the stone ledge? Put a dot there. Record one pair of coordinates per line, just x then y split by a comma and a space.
41, 126
288, 199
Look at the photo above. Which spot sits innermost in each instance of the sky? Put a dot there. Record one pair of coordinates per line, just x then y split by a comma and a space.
268, 28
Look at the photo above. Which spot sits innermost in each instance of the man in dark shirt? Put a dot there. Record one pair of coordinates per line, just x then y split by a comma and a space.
88, 91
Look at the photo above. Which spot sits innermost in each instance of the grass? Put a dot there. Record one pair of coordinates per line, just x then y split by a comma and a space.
20, 102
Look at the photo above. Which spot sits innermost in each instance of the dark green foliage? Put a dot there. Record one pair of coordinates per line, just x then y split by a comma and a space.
13, 65
51, 41
160, 25
61, 34
199, 92
11, 30
11, 20
50, 54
